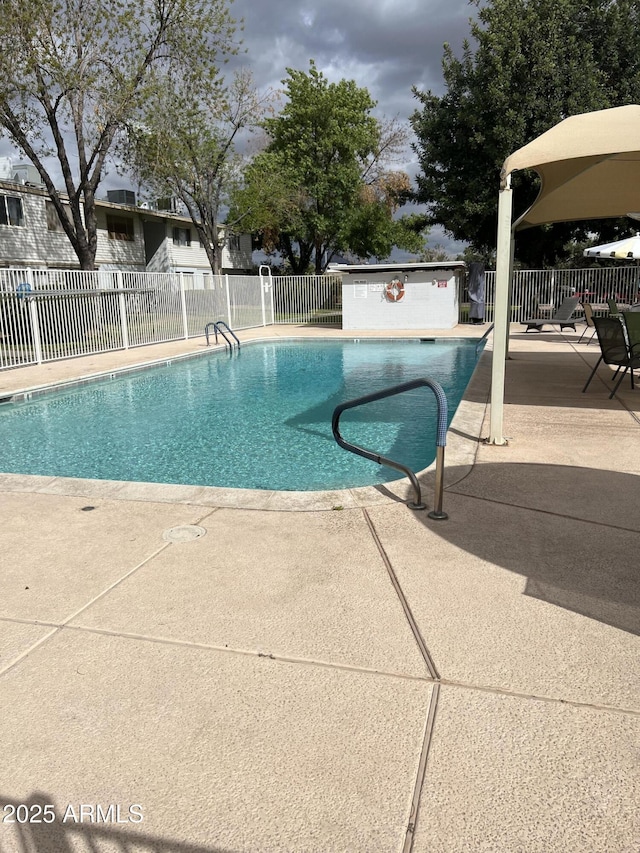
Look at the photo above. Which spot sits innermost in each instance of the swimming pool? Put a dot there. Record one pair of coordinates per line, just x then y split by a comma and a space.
258, 419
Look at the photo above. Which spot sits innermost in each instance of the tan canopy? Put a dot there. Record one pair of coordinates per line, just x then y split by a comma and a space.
589, 167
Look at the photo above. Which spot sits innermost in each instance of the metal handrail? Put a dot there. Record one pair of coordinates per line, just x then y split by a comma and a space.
486, 334
217, 329
441, 440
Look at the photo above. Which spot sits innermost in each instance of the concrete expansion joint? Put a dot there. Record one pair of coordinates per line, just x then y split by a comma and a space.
210, 511
57, 627
117, 582
541, 511
14, 662
424, 651
633, 414
539, 697
422, 770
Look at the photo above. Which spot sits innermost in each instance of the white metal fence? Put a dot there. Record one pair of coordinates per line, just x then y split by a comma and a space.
53, 314
536, 293
315, 299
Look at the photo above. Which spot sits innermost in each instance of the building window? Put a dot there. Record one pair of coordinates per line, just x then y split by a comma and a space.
53, 220
181, 236
120, 228
11, 210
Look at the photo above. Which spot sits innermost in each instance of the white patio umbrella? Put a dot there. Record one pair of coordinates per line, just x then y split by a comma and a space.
621, 250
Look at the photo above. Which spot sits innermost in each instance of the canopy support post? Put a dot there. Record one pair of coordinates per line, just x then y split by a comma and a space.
501, 312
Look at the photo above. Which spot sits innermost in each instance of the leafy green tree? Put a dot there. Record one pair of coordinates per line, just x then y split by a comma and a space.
324, 185
534, 63
435, 253
186, 148
73, 72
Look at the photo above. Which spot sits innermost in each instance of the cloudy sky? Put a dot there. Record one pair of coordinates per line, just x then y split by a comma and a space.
387, 46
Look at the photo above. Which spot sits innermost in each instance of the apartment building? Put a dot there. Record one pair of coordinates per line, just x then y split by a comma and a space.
131, 238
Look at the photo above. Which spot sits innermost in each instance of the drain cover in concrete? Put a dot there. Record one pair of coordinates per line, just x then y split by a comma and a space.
183, 533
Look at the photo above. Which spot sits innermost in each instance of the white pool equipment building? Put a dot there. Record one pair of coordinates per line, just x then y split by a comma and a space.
400, 296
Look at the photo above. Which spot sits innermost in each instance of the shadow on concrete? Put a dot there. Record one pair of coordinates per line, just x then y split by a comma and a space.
574, 533
556, 379
24, 828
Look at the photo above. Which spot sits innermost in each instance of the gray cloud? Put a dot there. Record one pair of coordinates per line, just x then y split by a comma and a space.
384, 45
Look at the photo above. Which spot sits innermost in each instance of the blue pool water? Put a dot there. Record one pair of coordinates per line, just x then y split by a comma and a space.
259, 419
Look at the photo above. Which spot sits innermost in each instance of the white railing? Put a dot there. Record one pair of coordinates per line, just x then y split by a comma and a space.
248, 305
312, 299
54, 314
538, 293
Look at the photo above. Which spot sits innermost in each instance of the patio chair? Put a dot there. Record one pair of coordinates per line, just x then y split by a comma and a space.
561, 318
615, 350
588, 318
614, 311
632, 325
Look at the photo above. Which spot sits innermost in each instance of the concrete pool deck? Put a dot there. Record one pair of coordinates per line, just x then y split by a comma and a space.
335, 673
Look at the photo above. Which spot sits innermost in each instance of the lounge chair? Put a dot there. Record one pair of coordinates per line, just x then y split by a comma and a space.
561, 318
615, 349
588, 318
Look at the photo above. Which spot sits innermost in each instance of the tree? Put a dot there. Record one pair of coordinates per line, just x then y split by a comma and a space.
185, 148
73, 72
435, 253
535, 62
323, 185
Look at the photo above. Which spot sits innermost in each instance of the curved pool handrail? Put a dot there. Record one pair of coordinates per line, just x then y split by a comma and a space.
441, 439
229, 329
217, 329
483, 338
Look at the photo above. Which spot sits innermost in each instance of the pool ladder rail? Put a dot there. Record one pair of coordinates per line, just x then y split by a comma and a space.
483, 338
441, 440
219, 326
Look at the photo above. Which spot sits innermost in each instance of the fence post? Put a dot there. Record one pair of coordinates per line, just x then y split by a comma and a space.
122, 306
183, 303
263, 288
262, 305
226, 284
273, 310
269, 286
35, 321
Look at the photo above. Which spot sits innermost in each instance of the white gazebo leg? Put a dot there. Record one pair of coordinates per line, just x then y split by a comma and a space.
501, 312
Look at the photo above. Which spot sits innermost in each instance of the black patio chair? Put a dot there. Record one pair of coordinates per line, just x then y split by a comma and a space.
632, 325
615, 349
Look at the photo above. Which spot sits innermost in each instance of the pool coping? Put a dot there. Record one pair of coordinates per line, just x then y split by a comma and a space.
463, 438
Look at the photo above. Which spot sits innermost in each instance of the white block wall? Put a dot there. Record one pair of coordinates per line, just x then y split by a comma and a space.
430, 301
